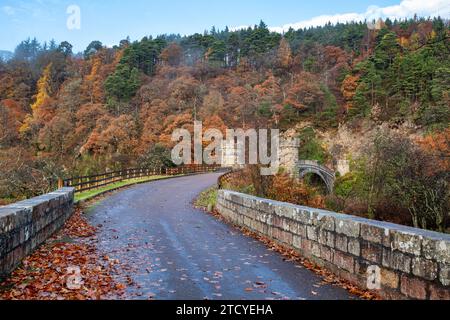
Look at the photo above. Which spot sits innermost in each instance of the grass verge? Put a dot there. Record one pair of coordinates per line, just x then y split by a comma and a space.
83, 196
207, 199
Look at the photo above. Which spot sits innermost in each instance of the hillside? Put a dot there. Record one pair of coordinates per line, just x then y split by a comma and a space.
63, 114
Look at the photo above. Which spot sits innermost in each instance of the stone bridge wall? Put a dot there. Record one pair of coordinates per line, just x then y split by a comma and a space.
411, 263
27, 224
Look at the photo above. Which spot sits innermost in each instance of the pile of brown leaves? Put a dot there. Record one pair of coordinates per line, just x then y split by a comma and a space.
67, 267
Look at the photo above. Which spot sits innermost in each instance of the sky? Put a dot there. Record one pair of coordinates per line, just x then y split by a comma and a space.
81, 21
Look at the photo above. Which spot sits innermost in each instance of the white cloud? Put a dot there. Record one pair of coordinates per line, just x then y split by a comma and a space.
406, 9
10, 11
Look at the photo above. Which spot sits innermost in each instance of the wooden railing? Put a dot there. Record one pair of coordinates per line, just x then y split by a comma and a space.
228, 177
86, 183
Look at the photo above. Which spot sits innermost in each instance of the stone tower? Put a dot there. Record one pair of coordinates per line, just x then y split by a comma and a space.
288, 154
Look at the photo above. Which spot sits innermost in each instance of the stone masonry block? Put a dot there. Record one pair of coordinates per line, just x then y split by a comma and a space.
322, 221
361, 267
293, 226
14, 217
2, 245
439, 293
269, 220
286, 225
387, 238
301, 231
424, 268
312, 233
372, 233
306, 246
303, 216
286, 237
344, 261
438, 250
237, 199
285, 211
413, 287
354, 247
326, 238
297, 242
277, 222
267, 207
326, 253
349, 228
341, 242
444, 275
389, 278
315, 249
396, 260
406, 242
371, 252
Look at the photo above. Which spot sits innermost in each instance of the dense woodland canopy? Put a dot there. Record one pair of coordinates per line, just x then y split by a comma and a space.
65, 114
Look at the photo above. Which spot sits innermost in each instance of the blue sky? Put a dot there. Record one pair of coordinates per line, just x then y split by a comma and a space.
112, 20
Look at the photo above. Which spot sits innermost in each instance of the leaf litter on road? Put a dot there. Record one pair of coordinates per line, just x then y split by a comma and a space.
45, 275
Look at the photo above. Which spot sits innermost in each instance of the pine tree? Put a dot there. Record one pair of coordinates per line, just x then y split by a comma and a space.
123, 84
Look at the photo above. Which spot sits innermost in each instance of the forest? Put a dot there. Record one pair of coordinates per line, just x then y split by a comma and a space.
64, 114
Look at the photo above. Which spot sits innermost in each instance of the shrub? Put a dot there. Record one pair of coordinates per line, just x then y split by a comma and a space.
401, 172
310, 147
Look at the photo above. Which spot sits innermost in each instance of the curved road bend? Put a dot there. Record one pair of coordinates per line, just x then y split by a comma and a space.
173, 251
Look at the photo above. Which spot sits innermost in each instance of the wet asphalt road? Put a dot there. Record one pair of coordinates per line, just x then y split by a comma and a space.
170, 250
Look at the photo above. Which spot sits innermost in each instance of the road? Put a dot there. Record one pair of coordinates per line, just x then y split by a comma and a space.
170, 250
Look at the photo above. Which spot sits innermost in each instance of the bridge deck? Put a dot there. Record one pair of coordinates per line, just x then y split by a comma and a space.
177, 252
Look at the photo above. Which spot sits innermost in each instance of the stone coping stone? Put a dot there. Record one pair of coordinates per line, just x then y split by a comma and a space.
17, 214
432, 235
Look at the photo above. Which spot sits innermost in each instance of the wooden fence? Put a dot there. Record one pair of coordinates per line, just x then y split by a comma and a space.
86, 183
228, 177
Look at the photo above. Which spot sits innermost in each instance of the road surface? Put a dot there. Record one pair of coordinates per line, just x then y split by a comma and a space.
170, 250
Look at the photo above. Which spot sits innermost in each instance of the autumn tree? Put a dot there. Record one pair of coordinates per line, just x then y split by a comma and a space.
270, 95
157, 156
151, 115
172, 55
94, 81
213, 103
55, 138
348, 89
116, 138
305, 94
184, 94
11, 118
40, 108
44, 88
241, 101
284, 55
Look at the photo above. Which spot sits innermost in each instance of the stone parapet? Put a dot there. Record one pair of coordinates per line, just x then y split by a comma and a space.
398, 262
27, 224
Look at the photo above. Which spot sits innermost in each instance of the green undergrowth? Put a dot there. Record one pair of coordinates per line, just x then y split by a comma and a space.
207, 199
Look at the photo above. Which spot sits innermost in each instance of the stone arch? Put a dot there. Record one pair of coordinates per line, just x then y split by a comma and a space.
325, 174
